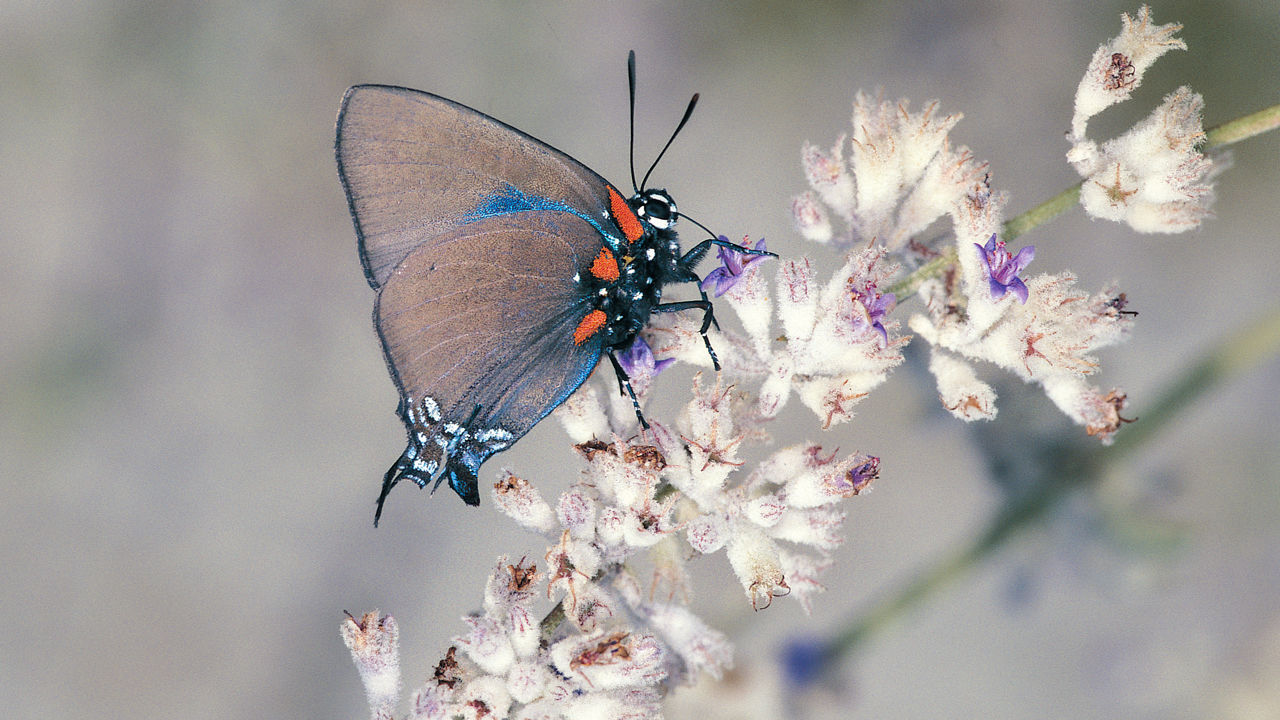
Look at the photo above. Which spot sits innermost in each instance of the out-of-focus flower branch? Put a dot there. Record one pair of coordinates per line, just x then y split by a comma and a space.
1068, 468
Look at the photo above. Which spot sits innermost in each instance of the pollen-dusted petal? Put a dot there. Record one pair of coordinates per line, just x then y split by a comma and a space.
610, 525
776, 388
798, 298
765, 510
707, 533
525, 631
828, 177
432, 701
819, 527
802, 570
577, 513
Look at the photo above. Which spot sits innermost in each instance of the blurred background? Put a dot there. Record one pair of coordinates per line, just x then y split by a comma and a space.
196, 415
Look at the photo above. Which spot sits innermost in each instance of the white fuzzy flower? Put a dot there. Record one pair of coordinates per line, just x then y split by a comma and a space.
802, 571
576, 512
526, 681
829, 177
374, 642
488, 644
707, 533
754, 559
1152, 178
811, 218
838, 342
902, 174
582, 416
431, 702
606, 660
520, 501
711, 446
1049, 340
959, 389
699, 647
484, 698
1118, 66
510, 585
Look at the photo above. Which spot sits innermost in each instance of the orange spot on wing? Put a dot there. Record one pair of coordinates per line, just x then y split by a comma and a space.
605, 266
625, 216
589, 326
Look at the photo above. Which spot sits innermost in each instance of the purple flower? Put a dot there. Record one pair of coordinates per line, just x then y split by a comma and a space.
733, 265
862, 476
805, 660
871, 306
1003, 269
638, 361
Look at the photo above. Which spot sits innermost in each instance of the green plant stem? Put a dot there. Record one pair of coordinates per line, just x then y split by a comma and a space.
1221, 136
1042, 213
547, 628
1242, 351
1243, 128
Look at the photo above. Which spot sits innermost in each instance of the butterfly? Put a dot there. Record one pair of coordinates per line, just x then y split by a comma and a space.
504, 271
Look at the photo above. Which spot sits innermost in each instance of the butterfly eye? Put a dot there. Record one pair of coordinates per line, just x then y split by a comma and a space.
657, 207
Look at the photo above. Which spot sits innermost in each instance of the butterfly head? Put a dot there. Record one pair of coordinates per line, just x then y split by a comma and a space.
655, 207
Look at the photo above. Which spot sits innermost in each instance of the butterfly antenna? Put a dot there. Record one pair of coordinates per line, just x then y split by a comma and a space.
631, 87
688, 111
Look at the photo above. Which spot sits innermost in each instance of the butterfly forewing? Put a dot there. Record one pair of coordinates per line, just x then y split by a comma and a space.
416, 165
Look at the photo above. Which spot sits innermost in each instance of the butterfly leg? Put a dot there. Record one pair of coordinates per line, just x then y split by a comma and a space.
708, 319
695, 253
624, 387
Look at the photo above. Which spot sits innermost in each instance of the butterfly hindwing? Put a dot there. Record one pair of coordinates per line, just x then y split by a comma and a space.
479, 334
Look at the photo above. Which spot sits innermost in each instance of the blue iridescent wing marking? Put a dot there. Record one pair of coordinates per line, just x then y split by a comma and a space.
509, 200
